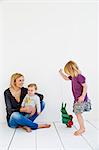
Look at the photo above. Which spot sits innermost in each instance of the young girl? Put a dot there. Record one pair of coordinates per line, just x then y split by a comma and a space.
79, 89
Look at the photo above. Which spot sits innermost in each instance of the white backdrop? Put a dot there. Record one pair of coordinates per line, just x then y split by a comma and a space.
38, 39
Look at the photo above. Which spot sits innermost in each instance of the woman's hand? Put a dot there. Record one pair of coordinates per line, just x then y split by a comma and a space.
25, 109
22, 109
28, 109
33, 110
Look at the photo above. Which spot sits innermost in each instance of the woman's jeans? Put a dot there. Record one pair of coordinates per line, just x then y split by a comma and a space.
18, 119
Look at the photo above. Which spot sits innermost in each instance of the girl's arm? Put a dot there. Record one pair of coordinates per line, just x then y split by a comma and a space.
82, 97
63, 75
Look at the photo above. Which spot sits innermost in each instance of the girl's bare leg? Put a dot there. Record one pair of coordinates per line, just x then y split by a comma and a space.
81, 125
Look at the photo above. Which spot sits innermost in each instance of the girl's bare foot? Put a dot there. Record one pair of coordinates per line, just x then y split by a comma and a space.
44, 126
28, 129
79, 132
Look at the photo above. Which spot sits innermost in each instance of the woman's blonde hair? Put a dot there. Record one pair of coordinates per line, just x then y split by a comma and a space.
71, 69
13, 79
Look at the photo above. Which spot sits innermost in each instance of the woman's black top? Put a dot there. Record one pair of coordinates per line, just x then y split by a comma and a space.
11, 104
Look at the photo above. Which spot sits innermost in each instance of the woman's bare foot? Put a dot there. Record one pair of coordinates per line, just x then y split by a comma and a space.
28, 129
44, 126
79, 132
19, 127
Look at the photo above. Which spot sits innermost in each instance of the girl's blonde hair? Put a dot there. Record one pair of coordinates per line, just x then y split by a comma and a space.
71, 69
13, 79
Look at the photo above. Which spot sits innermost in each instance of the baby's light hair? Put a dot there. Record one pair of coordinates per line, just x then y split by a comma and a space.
71, 69
33, 85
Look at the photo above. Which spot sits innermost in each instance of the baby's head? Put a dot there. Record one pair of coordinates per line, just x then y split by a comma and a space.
71, 69
32, 88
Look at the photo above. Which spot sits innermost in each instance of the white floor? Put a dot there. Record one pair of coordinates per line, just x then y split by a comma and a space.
58, 137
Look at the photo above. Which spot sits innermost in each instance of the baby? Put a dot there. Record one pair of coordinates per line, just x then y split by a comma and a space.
31, 102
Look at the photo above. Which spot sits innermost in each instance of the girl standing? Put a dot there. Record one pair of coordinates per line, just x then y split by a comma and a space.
79, 89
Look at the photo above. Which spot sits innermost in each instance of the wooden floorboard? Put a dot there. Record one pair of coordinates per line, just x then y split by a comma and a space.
68, 139
6, 136
23, 140
94, 123
58, 137
91, 135
48, 139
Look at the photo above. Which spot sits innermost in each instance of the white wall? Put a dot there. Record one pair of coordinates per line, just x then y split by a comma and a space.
98, 47
39, 38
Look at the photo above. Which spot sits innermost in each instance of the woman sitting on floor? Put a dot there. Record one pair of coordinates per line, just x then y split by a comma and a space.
14, 96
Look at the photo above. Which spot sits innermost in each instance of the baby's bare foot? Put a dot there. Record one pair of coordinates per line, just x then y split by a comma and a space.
79, 132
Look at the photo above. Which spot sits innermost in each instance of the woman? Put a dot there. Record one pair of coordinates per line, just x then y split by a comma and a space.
14, 96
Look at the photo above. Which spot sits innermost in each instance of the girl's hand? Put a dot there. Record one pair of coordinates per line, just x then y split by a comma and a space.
81, 98
63, 75
60, 71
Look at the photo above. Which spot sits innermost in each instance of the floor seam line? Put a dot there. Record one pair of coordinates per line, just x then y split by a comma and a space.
59, 136
92, 124
36, 139
85, 140
11, 140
